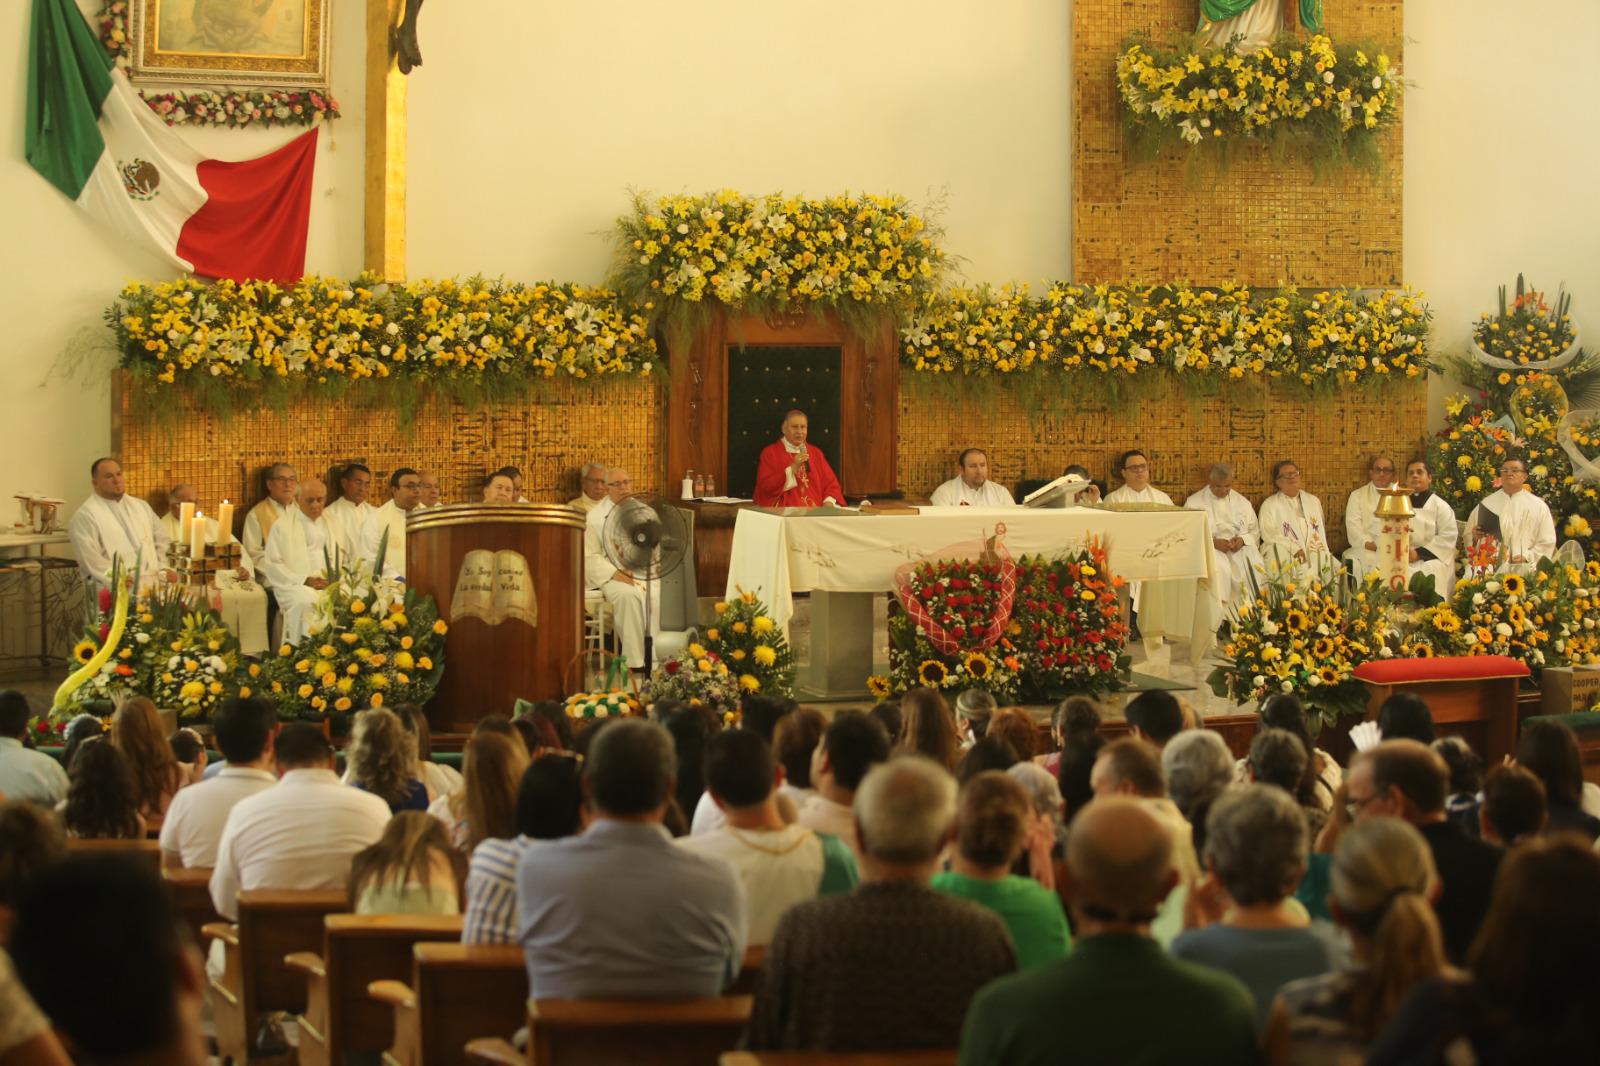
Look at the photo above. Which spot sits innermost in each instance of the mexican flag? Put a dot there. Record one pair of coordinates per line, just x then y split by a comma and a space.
92, 137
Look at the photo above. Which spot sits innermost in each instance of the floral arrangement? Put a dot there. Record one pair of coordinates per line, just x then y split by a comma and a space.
1545, 618
614, 703
1337, 337
1068, 624
775, 254
204, 107
369, 643
757, 652
699, 677
1335, 96
1527, 331
466, 339
202, 669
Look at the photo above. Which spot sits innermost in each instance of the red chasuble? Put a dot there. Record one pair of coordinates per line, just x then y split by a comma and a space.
813, 486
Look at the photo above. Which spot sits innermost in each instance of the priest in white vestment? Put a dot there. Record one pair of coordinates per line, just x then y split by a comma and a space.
234, 594
1235, 536
295, 565
428, 494
621, 590
593, 481
1433, 531
112, 524
346, 517
405, 489
1359, 508
971, 487
1294, 533
282, 481
1518, 519
1134, 466
498, 489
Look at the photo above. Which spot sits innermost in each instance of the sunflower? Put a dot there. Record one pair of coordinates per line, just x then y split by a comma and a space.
1296, 620
932, 673
84, 650
978, 666
1513, 584
1322, 647
1423, 650
1446, 621
878, 686
1328, 675
1516, 616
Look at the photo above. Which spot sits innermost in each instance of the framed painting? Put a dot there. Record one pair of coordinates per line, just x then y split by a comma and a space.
231, 42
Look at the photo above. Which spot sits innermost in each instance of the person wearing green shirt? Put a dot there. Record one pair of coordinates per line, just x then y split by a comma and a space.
1118, 997
991, 828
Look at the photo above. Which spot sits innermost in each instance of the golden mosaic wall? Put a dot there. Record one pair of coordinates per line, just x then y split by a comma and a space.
1331, 439
1260, 222
548, 437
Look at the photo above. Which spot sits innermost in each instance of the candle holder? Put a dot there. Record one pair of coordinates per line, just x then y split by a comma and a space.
202, 571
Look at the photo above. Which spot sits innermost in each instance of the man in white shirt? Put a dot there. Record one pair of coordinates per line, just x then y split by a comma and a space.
1434, 531
593, 481
1134, 466
971, 487
295, 564
282, 481
1235, 535
515, 474
347, 516
113, 524
299, 834
405, 490
244, 730
852, 745
428, 490
1359, 507
780, 864
623, 590
1518, 519
26, 776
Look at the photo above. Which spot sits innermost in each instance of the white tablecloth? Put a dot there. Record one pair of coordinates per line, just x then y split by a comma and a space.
777, 555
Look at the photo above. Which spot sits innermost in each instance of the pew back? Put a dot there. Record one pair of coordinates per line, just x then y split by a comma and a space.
624, 1032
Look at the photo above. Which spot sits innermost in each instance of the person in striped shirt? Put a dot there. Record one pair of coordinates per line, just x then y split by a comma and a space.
549, 806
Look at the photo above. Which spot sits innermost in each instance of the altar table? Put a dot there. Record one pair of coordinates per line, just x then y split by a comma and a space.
844, 557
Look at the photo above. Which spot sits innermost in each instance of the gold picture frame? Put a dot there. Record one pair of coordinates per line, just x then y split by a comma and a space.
278, 43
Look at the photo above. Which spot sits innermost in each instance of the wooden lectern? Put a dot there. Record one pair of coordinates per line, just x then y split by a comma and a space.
508, 580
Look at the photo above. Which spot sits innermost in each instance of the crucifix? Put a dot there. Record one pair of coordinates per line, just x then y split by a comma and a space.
392, 52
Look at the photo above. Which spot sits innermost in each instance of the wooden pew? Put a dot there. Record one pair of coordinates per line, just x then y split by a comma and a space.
146, 851
749, 973
191, 898
272, 924
359, 949
838, 1058
457, 992
622, 1032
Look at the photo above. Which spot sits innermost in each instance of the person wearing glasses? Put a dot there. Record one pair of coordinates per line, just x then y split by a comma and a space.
1515, 517
1359, 507
282, 483
1134, 466
428, 494
593, 482
622, 589
1294, 533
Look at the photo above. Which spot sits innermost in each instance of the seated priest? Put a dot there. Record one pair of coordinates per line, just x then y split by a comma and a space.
794, 474
1235, 536
971, 486
1515, 517
1359, 509
1090, 493
592, 480
1134, 466
499, 488
1433, 531
1294, 533
428, 490
515, 474
347, 516
234, 594
621, 589
405, 490
282, 481
113, 524
295, 566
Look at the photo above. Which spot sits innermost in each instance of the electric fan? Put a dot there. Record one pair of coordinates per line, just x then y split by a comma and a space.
645, 536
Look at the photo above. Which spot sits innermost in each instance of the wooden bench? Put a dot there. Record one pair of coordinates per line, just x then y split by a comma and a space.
145, 851
272, 924
191, 897
838, 1058
622, 1032
458, 992
358, 949
749, 973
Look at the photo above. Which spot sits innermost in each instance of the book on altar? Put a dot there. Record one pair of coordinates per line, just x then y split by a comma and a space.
1057, 493
494, 586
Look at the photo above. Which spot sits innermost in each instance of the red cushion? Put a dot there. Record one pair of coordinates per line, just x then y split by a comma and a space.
1448, 668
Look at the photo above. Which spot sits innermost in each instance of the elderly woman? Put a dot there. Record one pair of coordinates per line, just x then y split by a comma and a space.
1199, 768
1256, 845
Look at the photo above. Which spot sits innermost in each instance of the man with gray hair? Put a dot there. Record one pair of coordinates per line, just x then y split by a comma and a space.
1235, 533
592, 480
618, 911
1199, 767
1118, 997
622, 590
893, 965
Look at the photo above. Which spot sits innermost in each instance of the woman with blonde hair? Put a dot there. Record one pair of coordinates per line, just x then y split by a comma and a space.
1384, 882
412, 869
486, 804
928, 727
137, 732
383, 761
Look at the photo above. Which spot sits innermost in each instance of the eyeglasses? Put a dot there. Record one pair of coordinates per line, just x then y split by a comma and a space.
285, 477
619, 484
1137, 466
1355, 806
1289, 475
1507, 471
1383, 469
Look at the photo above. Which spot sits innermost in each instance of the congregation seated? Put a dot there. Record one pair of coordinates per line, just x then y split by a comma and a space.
691, 728
136, 731
993, 818
1015, 726
928, 727
1155, 716
26, 775
1278, 758
1199, 768
1513, 807
411, 869
1322, 772
780, 864
893, 964
382, 760
440, 779
1131, 767
1118, 997
83, 727
793, 742
1466, 780
1405, 716
850, 747
1550, 750
485, 806
1073, 717
974, 709
243, 730
989, 753
101, 802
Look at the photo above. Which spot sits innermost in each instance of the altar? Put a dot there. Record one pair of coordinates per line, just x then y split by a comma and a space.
846, 557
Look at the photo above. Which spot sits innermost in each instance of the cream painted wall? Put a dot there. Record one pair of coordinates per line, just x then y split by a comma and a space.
530, 121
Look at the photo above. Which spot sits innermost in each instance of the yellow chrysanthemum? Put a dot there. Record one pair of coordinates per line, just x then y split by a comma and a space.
763, 624
342, 703
740, 627
439, 627
765, 655
713, 634
357, 606
749, 682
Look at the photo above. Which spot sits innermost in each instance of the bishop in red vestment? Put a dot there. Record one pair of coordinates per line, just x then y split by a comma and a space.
794, 474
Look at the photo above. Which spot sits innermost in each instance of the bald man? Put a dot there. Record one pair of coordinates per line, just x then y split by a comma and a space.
622, 590
295, 564
1118, 997
793, 473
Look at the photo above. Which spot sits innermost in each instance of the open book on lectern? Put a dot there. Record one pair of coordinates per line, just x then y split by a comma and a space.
1062, 492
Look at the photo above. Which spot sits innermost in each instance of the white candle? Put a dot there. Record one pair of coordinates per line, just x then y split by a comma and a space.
197, 536
224, 524
185, 518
